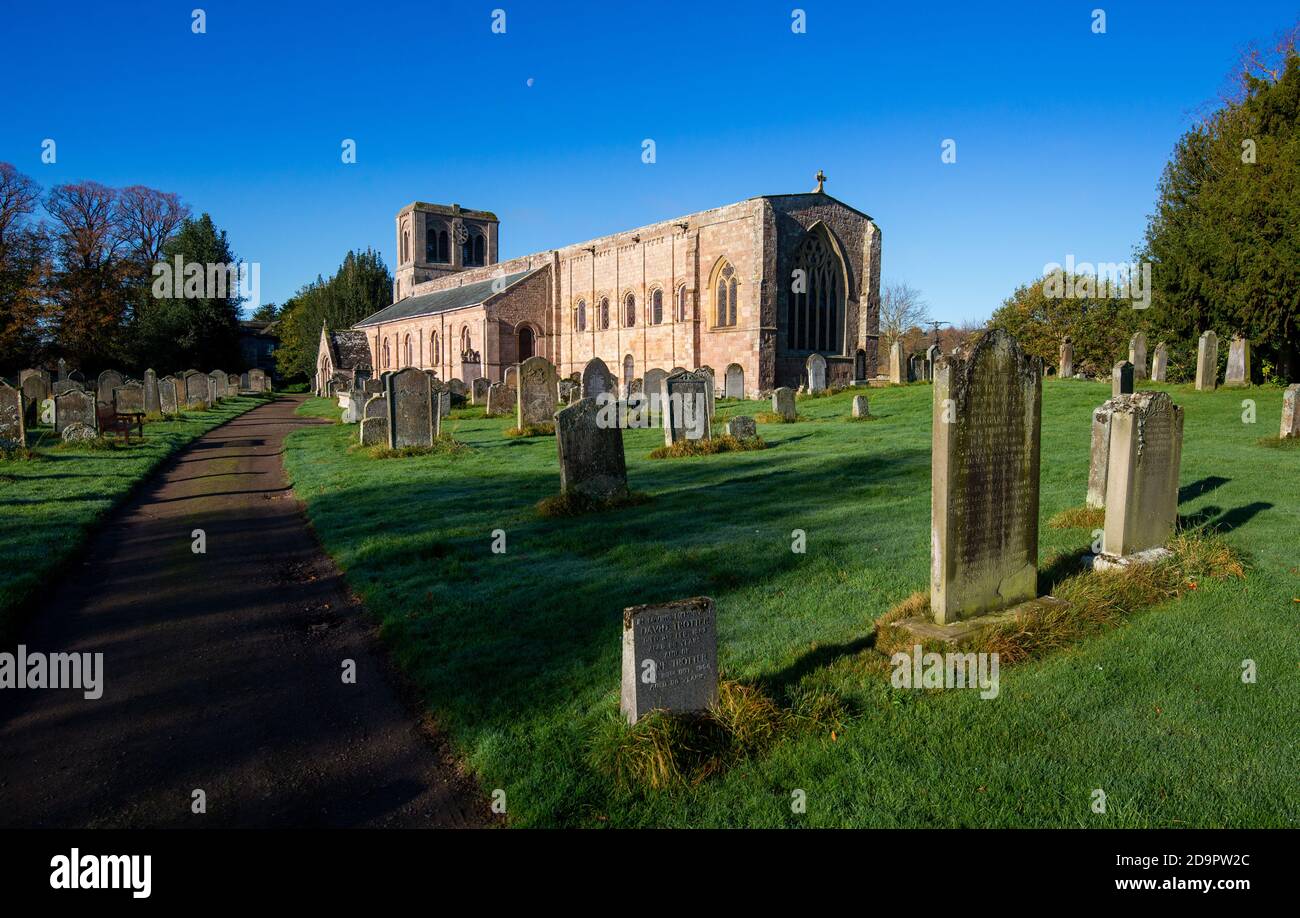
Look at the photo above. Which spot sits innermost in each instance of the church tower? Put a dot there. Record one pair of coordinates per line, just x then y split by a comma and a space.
434, 240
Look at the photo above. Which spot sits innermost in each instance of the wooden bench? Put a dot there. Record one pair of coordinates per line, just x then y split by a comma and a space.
111, 421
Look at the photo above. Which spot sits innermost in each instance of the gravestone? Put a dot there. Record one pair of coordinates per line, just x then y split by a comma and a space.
984, 480
413, 419
1137, 355
1146, 444
245, 382
653, 386
897, 364
129, 398
932, 353
219, 383
197, 389
1065, 366
742, 427
860, 409
538, 391
67, 385
478, 390
374, 421
670, 658
36, 389
77, 376
1238, 372
259, 381
815, 369
78, 431
1121, 378
168, 399
499, 400
596, 379
232, 384
635, 386
591, 456
13, 417
1207, 362
74, 407
571, 391
783, 403
441, 393
734, 381
915, 370
152, 404
63, 370
1099, 453
108, 381
458, 388
684, 407
373, 387
1290, 412
1160, 363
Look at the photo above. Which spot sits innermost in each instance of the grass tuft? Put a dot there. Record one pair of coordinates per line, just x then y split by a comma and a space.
683, 449
572, 503
1280, 442
443, 445
545, 429
96, 445
1079, 518
19, 454
865, 417
771, 417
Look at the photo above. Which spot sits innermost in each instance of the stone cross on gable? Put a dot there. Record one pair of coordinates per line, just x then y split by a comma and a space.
821, 180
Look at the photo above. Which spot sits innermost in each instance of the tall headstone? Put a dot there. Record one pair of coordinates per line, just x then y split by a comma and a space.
783, 403
685, 407
597, 380
74, 407
129, 398
591, 455
815, 370
1160, 363
440, 392
152, 404
197, 389
670, 658
1146, 444
1121, 378
538, 392
734, 381
1137, 355
1238, 372
108, 381
1099, 454
1207, 362
1065, 365
413, 419
36, 389
169, 401
932, 354
219, 383
984, 480
1290, 412
653, 383
374, 421
897, 363
13, 417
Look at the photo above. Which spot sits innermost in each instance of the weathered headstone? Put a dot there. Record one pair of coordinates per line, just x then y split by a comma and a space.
591, 455
198, 389
1099, 453
13, 417
500, 400
77, 431
685, 407
1160, 363
1137, 355
35, 386
74, 407
1121, 378
783, 403
245, 382
984, 480
441, 393
734, 381
259, 381
108, 381
374, 421
169, 401
860, 408
1146, 444
538, 392
815, 369
478, 390
932, 354
596, 379
1065, 366
413, 419
635, 386
897, 363
1238, 371
1290, 412
1207, 362
152, 404
670, 658
129, 398
63, 370
653, 386
742, 427
219, 383
67, 385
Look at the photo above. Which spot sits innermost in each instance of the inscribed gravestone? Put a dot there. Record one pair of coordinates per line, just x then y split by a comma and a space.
74, 407
478, 390
1207, 362
860, 409
742, 427
13, 420
1160, 363
374, 421
596, 379
1238, 372
815, 368
783, 403
1065, 366
129, 398
670, 657
1137, 355
684, 406
219, 383
197, 389
538, 391
499, 399
734, 382
108, 381
1121, 378
259, 380
168, 400
984, 480
1146, 444
152, 403
591, 455
1290, 412
412, 417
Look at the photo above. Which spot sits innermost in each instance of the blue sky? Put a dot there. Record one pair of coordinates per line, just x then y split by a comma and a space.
1060, 133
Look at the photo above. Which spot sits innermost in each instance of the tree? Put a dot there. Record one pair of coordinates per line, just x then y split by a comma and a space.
24, 262
267, 312
902, 311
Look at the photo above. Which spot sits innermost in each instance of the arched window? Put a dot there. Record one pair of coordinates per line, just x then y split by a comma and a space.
629, 310
473, 251
480, 249
406, 244
656, 306
387, 355
436, 248
527, 343
410, 354
724, 296
628, 368
433, 349
581, 319
464, 340
604, 313
817, 309
681, 303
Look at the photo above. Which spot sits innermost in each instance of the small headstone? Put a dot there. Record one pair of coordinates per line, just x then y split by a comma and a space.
538, 392
1146, 444
412, 417
742, 427
1290, 412
783, 403
1137, 355
129, 398
478, 390
152, 403
860, 409
374, 421
815, 368
596, 379
78, 431
13, 417
74, 407
1207, 362
670, 658
259, 381
635, 386
1160, 363
1065, 368
653, 386
168, 400
1121, 378
442, 394
734, 381
1238, 372
108, 381
591, 455
897, 363
685, 407
245, 382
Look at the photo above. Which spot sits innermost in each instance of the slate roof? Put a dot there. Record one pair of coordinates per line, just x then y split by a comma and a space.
427, 304
350, 349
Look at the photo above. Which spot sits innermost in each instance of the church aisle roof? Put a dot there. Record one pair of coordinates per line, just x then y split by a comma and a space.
350, 349
427, 304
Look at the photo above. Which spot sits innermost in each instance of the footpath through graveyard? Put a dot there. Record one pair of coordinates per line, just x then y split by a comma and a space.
222, 670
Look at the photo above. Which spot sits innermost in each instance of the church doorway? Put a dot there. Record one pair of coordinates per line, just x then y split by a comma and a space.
527, 343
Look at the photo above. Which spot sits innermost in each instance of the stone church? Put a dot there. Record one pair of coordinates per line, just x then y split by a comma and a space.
760, 284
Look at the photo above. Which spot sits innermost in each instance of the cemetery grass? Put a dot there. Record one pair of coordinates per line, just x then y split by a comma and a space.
53, 499
517, 655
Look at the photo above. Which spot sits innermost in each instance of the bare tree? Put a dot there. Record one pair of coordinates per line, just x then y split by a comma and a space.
18, 197
901, 309
147, 218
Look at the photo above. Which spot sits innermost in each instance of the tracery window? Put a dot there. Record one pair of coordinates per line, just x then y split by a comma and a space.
437, 243
724, 296
816, 297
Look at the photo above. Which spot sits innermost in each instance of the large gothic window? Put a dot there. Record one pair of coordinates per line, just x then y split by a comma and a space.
724, 296
436, 242
816, 297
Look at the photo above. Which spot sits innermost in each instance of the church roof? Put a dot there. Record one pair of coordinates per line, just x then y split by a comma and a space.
427, 304
350, 349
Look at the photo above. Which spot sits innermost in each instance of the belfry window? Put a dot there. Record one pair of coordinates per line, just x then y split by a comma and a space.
473, 251
437, 246
816, 297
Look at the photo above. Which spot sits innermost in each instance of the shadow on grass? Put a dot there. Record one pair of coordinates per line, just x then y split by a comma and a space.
1196, 488
1216, 519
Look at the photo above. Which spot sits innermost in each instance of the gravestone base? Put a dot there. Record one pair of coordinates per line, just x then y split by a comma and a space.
924, 628
1105, 562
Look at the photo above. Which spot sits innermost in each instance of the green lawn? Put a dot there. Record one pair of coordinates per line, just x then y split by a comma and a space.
517, 654
51, 503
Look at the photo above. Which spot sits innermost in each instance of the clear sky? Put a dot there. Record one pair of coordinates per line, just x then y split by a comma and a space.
1060, 133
